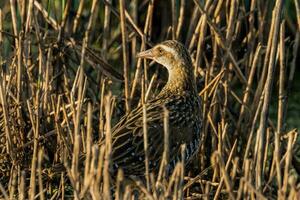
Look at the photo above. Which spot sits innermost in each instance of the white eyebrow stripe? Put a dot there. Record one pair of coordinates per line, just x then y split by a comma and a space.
169, 49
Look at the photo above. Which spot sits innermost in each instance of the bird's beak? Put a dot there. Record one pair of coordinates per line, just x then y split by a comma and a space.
145, 54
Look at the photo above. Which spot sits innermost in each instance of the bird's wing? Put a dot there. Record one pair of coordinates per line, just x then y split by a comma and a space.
128, 140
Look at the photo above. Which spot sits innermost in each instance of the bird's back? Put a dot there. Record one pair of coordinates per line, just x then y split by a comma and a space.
184, 127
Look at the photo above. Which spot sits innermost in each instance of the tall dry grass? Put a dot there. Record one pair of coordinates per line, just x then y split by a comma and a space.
69, 72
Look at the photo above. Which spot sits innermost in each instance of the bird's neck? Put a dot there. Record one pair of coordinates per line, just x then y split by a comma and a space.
181, 79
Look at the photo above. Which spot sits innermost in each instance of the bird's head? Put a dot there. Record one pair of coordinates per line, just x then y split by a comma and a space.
170, 54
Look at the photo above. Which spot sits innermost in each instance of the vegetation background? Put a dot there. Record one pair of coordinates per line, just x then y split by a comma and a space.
69, 72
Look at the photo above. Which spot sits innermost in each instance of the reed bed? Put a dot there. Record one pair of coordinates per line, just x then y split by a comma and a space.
69, 72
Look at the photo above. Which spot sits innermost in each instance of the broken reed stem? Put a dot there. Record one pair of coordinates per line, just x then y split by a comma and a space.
125, 56
288, 159
108, 148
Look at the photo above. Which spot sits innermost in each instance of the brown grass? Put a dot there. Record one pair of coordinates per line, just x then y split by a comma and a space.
67, 72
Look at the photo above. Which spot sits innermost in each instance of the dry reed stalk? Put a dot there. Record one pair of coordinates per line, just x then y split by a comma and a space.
1, 35
46, 15
222, 43
9, 146
14, 20
261, 83
267, 150
35, 149
137, 75
220, 185
267, 95
101, 112
40, 160
180, 19
282, 74
99, 172
66, 11
198, 28
58, 111
231, 25
291, 138
192, 26
200, 45
248, 87
46, 85
29, 16
81, 93
225, 176
134, 14
108, 149
172, 180
174, 18
106, 30
119, 189
88, 163
252, 30
12, 184
77, 16
130, 22
166, 153
182, 171
125, 56
297, 7
281, 97
21, 188
145, 137
151, 83
293, 62
5, 195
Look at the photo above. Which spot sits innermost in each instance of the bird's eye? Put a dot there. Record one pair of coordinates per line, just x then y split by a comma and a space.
160, 50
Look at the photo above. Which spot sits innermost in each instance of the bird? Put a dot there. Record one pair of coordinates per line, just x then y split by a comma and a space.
179, 96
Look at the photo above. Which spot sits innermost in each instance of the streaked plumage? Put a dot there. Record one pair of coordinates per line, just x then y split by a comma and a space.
180, 97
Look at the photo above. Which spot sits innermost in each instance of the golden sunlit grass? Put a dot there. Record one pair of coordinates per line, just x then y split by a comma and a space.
69, 71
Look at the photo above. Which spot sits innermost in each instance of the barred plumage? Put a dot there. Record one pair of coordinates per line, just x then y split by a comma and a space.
180, 97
